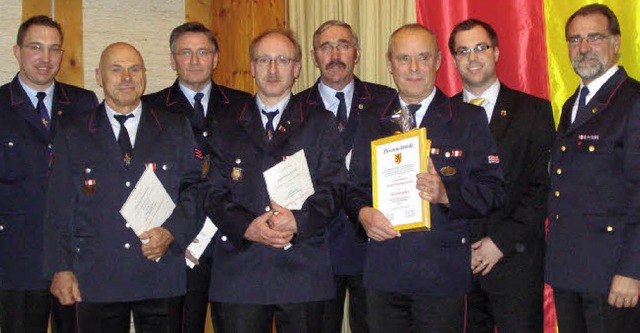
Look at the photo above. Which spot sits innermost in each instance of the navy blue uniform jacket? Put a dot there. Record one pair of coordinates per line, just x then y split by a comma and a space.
173, 100
594, 197
252, 273
25, 161
347, 239
436, 262
84, 231
523, 128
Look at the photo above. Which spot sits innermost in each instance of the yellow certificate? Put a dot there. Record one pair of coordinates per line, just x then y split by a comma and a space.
395, 162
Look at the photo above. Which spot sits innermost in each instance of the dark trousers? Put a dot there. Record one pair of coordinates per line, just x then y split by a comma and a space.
197, 298
162, 315
334, 308
28, 312
255, 318
508, 310
393, 312
582, 312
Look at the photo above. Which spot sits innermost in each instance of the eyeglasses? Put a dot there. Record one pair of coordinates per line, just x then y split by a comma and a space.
202, 53
592, 39
37, 48
341, 47
281, 61
465, 52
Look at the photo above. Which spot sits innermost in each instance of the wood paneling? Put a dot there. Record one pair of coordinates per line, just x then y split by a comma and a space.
235, 23
35, 7
198, 10
69, 14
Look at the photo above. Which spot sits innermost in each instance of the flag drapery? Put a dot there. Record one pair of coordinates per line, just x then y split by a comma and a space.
533, 52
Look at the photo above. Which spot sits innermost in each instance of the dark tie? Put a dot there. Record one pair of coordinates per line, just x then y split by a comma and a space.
269, 126
42, 109
123, 137
582, 101
342, 111
197, 120
413, 108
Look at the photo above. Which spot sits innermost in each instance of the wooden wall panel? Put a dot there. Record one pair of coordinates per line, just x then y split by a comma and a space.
69, 14
198, 10
35, 7
235, 23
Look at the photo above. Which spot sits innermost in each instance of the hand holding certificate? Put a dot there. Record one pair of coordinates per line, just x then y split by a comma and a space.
396, 160
148, 205
289, 182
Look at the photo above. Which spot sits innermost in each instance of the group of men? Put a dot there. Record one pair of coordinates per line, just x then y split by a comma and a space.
497, 170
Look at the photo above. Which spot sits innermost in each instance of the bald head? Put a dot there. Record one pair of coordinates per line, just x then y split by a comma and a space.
121, 74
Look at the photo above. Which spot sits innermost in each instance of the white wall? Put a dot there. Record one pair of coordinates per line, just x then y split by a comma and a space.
10, 19
146, 24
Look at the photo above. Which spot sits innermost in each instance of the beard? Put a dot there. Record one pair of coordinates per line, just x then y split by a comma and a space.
588, 72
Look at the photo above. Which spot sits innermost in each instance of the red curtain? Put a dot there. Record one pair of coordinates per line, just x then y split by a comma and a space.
521, 34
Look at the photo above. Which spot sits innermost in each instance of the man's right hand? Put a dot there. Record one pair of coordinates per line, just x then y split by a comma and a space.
64, 286
259, 231
376, 224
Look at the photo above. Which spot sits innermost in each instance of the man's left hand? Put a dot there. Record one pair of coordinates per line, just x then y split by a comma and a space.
624, 292
484, 255
158, 243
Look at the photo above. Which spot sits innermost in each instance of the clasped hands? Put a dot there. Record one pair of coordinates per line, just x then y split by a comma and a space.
274, 228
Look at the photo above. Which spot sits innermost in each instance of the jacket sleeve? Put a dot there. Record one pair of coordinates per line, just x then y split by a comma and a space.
629, 263
188, 217
481, 189
526, 219
59, 210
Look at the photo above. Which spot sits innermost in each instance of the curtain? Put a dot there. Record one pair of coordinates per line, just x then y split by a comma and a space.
372, 21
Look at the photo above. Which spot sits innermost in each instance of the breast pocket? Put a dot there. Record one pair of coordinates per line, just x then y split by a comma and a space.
12, 159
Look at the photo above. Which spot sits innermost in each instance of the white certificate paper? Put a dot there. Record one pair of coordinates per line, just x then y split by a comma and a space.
148, 204
201, 241
289, 182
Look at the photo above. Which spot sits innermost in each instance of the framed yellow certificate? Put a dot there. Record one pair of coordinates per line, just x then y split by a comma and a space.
395, 162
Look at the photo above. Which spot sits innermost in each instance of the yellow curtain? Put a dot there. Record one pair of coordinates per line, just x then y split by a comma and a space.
562, 79
373, 22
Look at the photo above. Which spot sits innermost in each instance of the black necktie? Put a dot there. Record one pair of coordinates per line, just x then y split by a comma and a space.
197, 120
413, 108
342, 111
123, 137
269, 126
42, 109
582, 101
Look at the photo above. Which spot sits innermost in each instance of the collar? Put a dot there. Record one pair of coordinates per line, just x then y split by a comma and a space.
190, 94
490, 94
424, 105
331, 102
596, 84
31, 93
280, 106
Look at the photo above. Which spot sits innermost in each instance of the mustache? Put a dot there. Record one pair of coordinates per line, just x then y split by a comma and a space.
586, 56
336, 63
273, 78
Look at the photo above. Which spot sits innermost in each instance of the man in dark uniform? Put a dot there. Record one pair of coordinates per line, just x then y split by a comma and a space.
335, 52
508, 245
95, 258
271, 262
194, 56
32, 105
593, 245
416, 282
